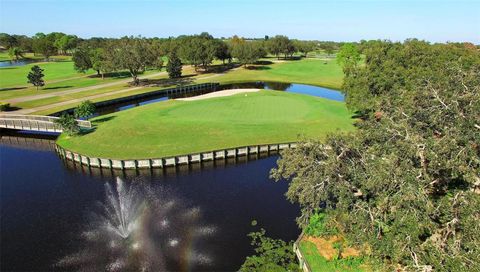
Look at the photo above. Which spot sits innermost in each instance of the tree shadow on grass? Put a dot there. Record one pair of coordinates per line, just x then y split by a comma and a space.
263, 62
103, 119
166, 82
13, 88
221, 68
258, 68
122, 74
11, 108
85, 131
59, 87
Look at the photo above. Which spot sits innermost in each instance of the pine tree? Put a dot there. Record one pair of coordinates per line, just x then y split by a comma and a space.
35, 76
174, 66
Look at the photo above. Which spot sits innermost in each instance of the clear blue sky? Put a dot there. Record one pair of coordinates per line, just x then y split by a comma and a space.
339, 20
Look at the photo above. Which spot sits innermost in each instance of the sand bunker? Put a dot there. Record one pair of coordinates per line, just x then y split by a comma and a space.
219, 94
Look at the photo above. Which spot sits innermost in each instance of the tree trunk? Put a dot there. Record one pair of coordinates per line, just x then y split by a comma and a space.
134, 76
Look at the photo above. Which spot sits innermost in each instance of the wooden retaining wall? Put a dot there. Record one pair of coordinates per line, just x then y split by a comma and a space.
170, 161
301, 259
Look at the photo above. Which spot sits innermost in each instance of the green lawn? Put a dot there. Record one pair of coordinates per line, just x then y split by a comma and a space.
319, 264
16, 76
181, 127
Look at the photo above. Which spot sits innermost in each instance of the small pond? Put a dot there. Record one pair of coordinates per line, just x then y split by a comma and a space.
14, 63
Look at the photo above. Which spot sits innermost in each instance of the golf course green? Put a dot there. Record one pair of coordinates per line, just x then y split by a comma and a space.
177, 127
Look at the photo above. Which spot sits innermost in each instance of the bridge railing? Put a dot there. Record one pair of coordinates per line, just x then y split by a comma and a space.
4, 118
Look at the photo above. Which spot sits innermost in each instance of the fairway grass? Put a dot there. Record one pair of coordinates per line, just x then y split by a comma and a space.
181, 127
16, 76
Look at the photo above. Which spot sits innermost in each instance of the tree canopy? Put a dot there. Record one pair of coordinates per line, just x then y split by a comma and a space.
406, 185
35, 76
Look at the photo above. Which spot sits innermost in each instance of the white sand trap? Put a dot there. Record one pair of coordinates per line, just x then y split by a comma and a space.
219, 94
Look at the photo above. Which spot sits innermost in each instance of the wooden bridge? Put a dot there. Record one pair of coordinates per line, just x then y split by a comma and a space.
35, 123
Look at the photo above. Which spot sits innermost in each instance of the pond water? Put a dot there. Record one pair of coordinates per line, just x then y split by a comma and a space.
47, 207
13, 63
278, 86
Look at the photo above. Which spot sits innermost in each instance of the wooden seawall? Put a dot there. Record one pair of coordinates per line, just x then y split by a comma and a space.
173, 160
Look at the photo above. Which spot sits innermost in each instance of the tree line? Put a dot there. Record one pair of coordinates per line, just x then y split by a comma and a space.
55, 43
137, 54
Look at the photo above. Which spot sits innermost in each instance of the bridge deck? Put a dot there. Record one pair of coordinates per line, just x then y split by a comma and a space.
35, 123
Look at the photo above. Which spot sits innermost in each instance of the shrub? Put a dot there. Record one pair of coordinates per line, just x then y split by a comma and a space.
317, 226
68, 124
4, 106
84, 110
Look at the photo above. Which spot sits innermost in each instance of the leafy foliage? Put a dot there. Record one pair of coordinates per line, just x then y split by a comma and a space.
84, 110
35, 76
15, 53
348, 57
246, 52
407, 182
317, 226
68, 124
133, 54
174, 65
281, 45
271, 255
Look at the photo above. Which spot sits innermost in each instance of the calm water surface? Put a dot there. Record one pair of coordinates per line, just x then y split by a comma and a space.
46, 206
14, 63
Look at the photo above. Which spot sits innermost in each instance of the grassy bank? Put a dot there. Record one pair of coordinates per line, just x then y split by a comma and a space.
319, 264
181, 127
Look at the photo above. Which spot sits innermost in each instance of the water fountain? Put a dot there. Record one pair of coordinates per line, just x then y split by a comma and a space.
137, 228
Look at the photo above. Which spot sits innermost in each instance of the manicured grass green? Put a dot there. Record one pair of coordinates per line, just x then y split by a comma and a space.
17, 75
181, 127
307, 71
319, 264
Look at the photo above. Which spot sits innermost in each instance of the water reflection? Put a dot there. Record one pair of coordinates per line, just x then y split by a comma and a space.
141, 228
13, 63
